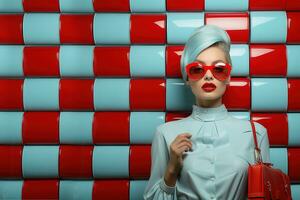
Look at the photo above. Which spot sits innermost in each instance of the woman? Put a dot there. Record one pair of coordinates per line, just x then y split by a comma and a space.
205, 155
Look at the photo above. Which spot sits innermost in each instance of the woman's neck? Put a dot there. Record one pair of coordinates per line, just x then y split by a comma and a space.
209, 103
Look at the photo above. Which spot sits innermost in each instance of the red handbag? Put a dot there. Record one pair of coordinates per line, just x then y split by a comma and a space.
265, 182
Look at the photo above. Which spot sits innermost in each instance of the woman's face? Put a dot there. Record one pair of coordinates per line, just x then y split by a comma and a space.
209, 56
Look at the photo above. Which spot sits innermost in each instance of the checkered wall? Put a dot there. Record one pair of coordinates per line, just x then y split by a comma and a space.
83, 85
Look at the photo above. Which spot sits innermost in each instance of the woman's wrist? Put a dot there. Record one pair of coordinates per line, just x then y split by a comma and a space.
170, 176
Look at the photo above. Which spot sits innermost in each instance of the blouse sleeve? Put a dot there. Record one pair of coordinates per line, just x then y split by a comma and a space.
264, 145
156, 187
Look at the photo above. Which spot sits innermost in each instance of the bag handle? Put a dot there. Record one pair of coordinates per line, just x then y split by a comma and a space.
257, 153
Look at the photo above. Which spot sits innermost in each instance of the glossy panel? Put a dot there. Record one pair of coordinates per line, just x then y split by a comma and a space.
74, 189
179, 97
40, 189
111, 162
141, 132
276, 125
41, 28
173, 55
263, 24
40, 161
146, 6
40, 128
111, 189
293, 66
137, 188
140, 161
187, 5
35, 57
231, 5
239, 54
11, 189
76, 94
147, 61
75, 127
237, 95
76, 29
147, 94
76, 61
110, 28
293, 94
294, 129
279, 157
269, 94
11, 127
294, 164
236, 25
11, 29
111, 94
293, 19
11, 6
41, 94
11, 92
76, 5
268, 60
141, 25
105, 130
41, 6
181, 25
111, 61
75, 161
11, 57
111, 6
267, 4
11, 161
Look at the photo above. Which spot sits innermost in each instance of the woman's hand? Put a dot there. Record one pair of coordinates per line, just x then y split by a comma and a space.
180, 144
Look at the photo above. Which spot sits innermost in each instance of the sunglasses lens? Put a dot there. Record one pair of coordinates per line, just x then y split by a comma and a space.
221, 72
196, 72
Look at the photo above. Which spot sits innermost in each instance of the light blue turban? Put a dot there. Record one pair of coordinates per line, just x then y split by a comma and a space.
201, 38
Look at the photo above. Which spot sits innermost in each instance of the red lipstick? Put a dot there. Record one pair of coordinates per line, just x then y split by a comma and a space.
208, 87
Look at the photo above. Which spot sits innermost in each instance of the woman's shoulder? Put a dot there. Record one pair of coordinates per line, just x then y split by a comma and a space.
244, 125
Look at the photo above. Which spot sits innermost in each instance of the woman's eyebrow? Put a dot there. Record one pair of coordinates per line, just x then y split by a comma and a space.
213, 62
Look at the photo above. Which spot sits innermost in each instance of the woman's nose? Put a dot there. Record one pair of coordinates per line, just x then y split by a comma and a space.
208, 75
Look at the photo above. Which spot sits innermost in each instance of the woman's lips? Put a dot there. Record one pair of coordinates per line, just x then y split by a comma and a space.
209, 87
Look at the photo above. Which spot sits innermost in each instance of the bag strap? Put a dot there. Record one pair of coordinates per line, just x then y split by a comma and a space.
257, 152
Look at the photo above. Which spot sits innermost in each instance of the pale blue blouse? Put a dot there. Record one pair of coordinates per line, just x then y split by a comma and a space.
216, 168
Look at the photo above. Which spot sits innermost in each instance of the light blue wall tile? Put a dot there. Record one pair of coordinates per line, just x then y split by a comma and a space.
11, 127
75, 189
147, 6
294, 129
41, 28
76, 60
11, 189
295, 188
181, 25
240, 115
293, 52
41, 94
76, 127
229, 5
40, 161
268, 26
269, 94
111, 28
278, 157
111, 94
137, 188
143, 126
111, 162
11, 57
239, 54
179, 97
9, 6
147, 61
76, 5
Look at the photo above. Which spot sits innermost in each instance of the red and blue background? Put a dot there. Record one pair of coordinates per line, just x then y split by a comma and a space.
84, 83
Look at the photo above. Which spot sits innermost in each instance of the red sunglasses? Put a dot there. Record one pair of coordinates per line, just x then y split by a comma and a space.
196, 70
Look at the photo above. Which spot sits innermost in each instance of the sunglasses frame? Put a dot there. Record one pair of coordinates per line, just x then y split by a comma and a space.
205, 67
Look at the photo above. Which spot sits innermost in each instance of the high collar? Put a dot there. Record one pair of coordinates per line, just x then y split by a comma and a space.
209, 114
